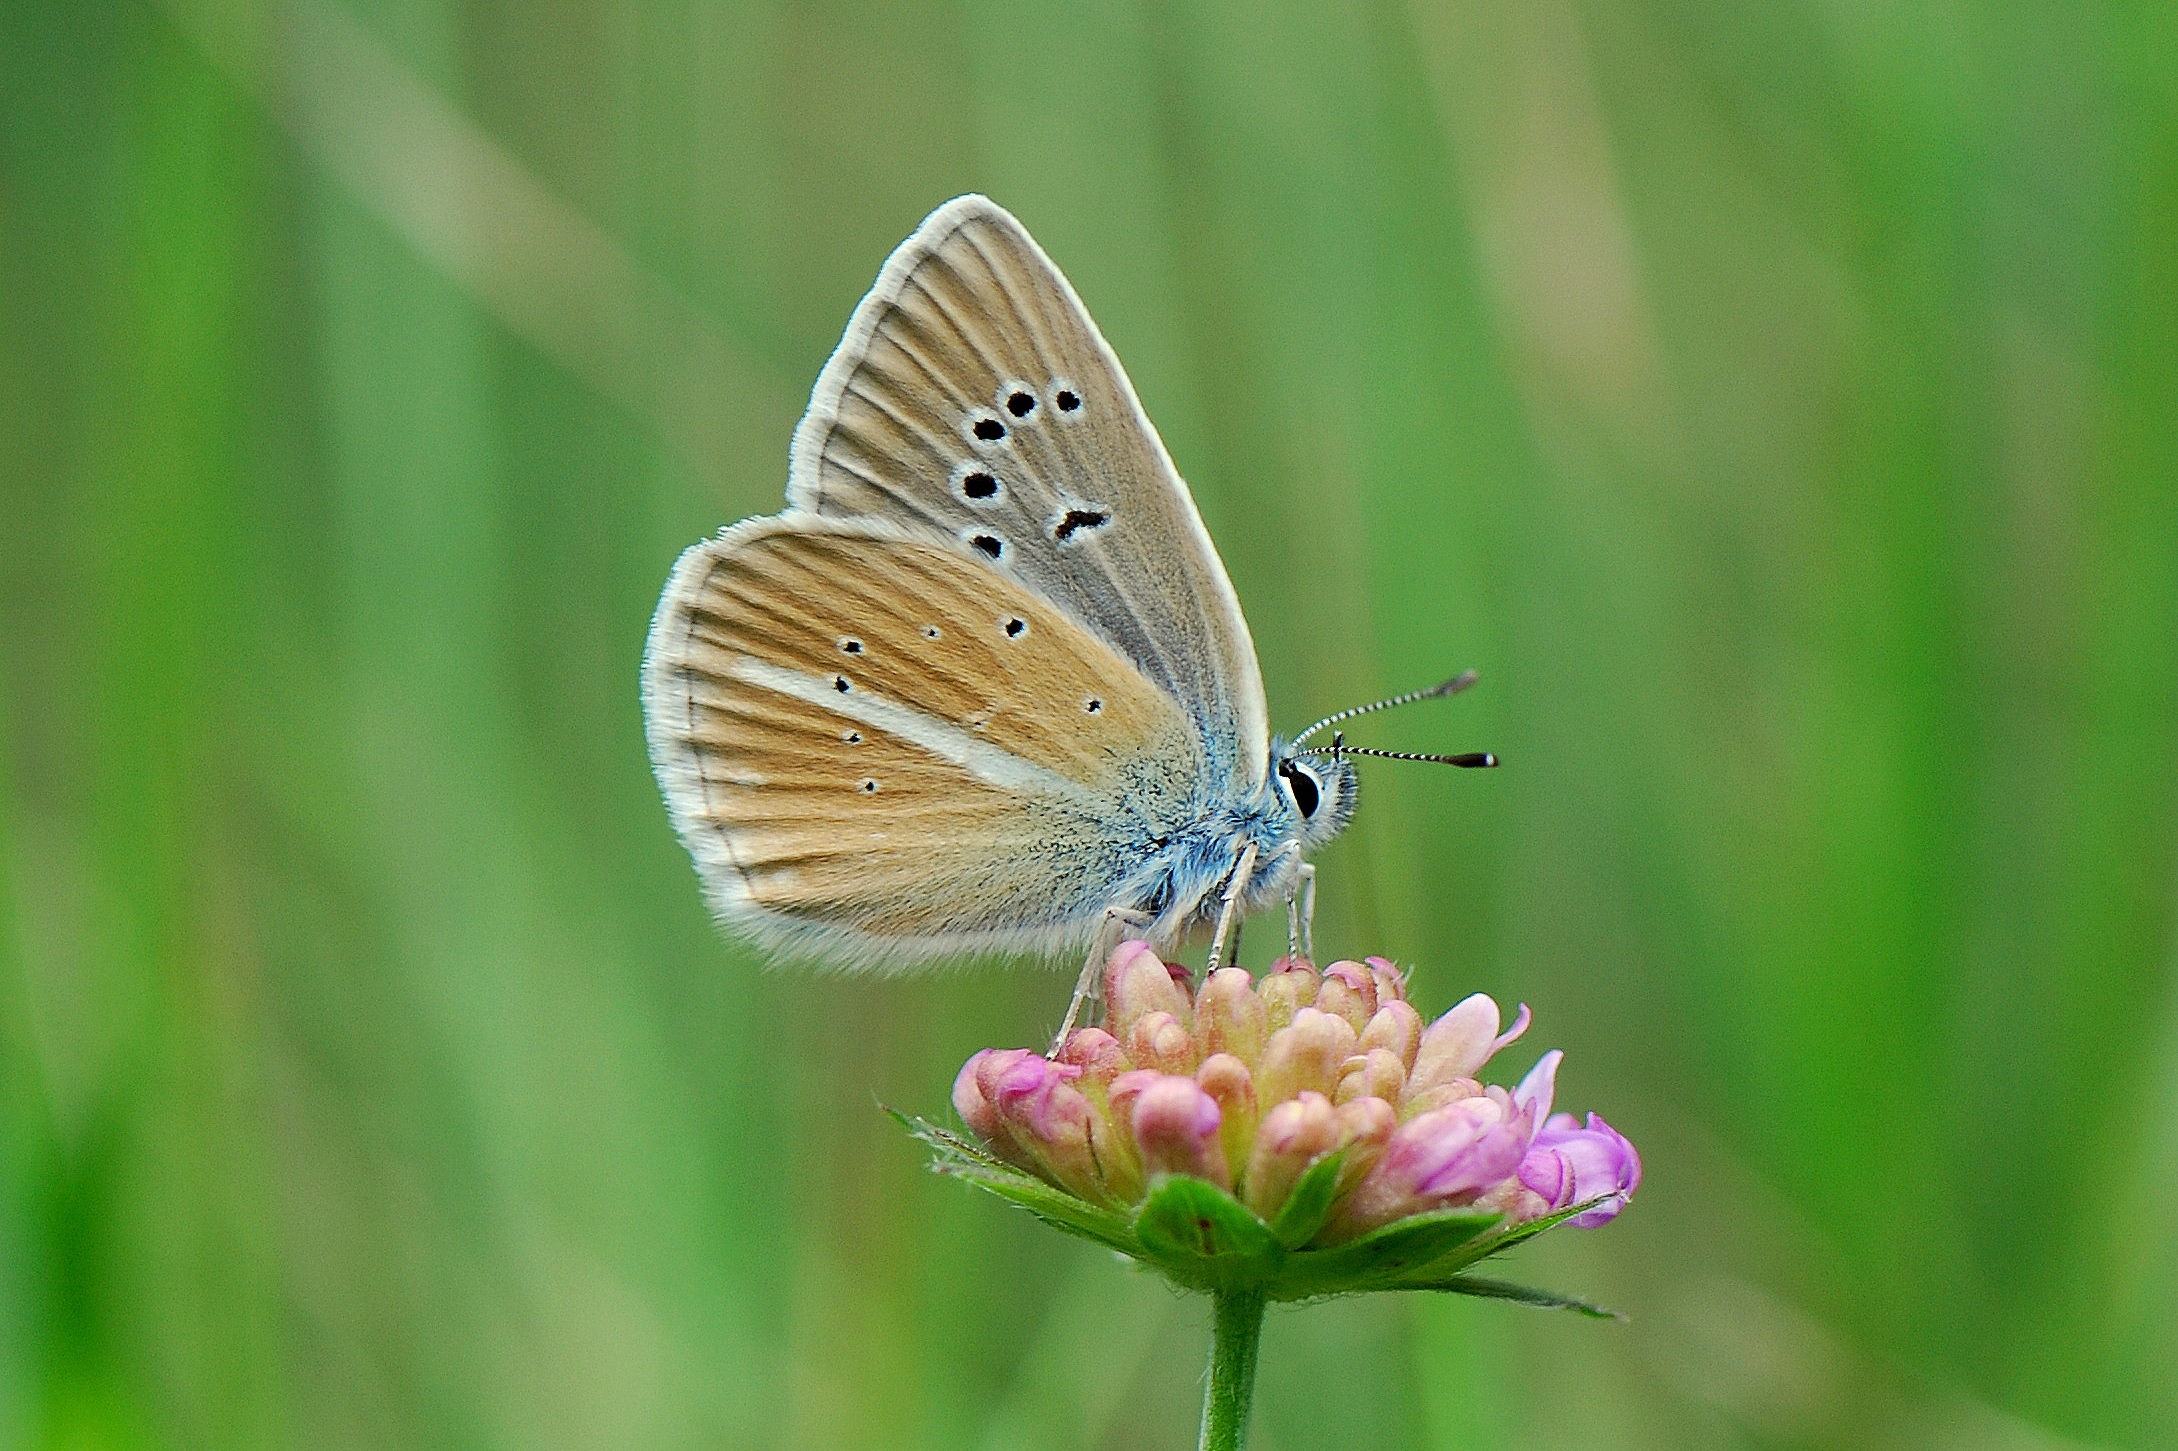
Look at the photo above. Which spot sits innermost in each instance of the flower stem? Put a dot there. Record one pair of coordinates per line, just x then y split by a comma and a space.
1236, 1333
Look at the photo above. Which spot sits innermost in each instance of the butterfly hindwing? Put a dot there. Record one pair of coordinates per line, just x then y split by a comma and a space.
973, 395
877, 748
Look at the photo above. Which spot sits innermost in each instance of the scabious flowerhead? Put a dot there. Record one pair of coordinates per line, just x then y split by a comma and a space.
1249, 1084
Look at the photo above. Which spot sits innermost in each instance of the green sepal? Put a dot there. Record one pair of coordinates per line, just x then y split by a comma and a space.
948, 1145
1309, 1205
1513, 1234
956, 1158
1382, 1258
1204, 1237
1518, 1294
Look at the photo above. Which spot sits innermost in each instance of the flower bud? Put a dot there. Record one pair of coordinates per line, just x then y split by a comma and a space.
1391, 983
1124, 1090
1440, 1158
1365, 1127
1349, 992
1570, 1165
1176, 1126
1159, 1041
1442, 1095
1136, 984
1293, 1135
1287, 988
1306, 1055
1047, 1116
1229, 1017
1096, 1053
1396, 1027
1226, 1079
977, 1110
1377, 1073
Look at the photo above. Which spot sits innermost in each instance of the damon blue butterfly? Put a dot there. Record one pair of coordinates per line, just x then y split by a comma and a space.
983, 685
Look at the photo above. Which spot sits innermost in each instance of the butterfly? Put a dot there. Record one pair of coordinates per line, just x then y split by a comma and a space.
983, 686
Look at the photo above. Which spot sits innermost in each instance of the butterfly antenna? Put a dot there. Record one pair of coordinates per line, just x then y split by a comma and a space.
1470, 760
1453, 686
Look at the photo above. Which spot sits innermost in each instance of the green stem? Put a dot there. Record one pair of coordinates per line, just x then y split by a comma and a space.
1236, 1333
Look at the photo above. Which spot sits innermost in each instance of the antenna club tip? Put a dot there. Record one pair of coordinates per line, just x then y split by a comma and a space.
1476, 759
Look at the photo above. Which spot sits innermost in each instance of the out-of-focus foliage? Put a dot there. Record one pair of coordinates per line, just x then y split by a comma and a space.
1775, 401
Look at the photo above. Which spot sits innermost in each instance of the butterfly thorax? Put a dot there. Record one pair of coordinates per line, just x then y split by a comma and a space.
1183, 885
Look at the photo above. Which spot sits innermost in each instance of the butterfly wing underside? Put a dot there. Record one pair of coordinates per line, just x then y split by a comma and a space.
973, 395
879, 750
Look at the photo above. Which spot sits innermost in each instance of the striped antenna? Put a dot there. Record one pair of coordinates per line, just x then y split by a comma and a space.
1453, 686
1471, 760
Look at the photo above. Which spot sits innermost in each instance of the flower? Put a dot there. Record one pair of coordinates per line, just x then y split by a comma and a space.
1312, 1111
1568, 1164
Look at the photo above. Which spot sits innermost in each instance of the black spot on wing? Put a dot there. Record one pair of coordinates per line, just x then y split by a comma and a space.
1074, 521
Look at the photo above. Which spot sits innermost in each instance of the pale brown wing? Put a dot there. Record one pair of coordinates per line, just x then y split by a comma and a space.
972, 394
878, 749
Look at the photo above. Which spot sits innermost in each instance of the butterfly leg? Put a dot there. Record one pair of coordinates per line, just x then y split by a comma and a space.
1236, 887
1301, 914
1118, 921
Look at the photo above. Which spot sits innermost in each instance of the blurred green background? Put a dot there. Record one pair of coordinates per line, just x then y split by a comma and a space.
1775, 401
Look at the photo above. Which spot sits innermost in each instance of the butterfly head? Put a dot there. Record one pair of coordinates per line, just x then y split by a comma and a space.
1322, 790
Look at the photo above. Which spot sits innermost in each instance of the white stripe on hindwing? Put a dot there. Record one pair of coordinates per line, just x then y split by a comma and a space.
992, 765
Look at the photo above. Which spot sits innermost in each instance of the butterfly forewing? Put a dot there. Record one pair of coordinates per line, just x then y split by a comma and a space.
973, 395
873, 744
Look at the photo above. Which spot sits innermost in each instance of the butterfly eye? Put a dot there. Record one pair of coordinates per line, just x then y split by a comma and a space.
1306, 790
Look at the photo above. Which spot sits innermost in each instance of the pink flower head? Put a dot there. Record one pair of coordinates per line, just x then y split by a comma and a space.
1248, 1082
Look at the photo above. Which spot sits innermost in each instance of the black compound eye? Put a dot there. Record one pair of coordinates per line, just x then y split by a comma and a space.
1307, 793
